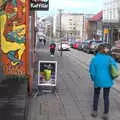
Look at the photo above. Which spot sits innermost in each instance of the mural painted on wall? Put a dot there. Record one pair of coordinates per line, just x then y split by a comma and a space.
13, 37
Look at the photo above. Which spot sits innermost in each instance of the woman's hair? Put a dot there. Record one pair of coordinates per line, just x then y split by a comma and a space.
103, 49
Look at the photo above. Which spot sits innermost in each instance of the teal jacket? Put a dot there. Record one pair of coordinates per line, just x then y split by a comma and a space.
100, 71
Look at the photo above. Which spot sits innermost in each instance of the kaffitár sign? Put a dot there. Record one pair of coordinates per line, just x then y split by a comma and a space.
39, 5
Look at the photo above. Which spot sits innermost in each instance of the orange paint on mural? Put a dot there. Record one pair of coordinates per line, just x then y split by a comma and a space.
13, 37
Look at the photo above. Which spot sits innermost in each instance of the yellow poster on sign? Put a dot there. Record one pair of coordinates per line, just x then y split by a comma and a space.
106, 31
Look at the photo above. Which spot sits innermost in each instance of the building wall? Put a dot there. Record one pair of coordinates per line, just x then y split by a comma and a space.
71, 24
111, 18
86, 26
45, 27
111, 11
94, 30
91, 29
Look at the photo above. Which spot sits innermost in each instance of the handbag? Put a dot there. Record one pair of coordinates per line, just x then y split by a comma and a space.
114, 71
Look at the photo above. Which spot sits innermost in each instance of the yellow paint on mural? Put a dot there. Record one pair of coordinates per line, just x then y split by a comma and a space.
1, 1
7, 46
20, 27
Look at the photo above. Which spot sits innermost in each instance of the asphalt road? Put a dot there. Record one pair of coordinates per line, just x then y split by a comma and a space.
72, 99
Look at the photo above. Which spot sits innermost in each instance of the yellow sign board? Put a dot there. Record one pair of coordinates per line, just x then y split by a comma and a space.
106, 31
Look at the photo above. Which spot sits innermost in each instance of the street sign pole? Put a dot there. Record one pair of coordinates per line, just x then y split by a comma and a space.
110, 37
60, 13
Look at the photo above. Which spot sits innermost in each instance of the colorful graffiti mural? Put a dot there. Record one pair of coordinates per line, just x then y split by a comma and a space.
13, 35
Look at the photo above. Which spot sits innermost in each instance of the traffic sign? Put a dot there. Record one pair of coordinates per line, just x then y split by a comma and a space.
106, 31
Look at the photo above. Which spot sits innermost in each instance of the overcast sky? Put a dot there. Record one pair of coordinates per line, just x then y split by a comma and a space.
73, 6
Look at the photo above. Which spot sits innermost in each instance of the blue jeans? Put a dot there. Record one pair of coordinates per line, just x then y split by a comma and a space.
106, 92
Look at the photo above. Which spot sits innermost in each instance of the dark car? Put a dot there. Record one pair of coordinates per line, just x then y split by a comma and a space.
90, 46
115, 51
83, 45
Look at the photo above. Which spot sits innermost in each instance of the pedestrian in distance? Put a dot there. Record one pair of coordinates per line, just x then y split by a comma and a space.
44, 41
40, 40
99, 70
52, 48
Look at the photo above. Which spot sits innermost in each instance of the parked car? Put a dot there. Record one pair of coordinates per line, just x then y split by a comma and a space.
71, 44
115, 51
87, 46
94, 46
75, 45
65, 46
91, 46
82, 45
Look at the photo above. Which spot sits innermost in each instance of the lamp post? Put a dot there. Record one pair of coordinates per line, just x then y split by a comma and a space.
60, 13
110, 36
83, 27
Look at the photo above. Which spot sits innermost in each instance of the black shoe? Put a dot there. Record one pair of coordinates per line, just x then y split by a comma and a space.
105, 117
94, 114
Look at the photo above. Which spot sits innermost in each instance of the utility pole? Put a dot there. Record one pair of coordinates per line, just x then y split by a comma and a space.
83, 28
60, 15
111, 36
110, 33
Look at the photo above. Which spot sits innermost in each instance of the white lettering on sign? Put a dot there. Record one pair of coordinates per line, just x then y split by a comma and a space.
39, 5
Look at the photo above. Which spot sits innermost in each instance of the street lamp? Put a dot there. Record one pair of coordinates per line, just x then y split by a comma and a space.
60, 13
83, 27
110, 36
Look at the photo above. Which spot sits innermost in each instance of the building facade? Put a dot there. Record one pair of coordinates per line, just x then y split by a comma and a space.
111, 18
45, 27
94, 27
71, 25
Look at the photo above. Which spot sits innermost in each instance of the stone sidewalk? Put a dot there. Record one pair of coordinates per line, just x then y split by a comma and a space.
72, 98
13, 98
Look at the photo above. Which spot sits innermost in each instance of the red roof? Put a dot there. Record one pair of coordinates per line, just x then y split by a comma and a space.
97, 17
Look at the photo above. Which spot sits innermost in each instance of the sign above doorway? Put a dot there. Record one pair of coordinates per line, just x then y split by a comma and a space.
39, 5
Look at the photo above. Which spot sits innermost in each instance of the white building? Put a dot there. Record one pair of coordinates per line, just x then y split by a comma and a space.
45, 27
111, 17
111, 11
71, 25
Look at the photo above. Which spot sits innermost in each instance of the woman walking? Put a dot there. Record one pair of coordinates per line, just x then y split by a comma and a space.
100, 75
